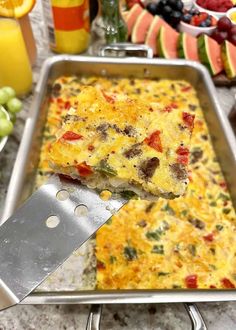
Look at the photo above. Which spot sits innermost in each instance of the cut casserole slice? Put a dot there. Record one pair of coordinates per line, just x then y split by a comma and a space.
110, 141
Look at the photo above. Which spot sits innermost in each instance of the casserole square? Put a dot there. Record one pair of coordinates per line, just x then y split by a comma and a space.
115, 142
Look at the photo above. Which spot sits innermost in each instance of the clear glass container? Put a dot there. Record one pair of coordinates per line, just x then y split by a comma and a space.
109, 26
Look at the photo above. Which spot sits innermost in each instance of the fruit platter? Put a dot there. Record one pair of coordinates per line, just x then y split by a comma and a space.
205, 32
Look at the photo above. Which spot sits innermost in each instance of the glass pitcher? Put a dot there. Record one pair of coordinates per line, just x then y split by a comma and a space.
15, 68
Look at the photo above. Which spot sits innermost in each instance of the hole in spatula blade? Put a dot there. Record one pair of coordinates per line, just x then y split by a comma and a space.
62, 195
81, 211
52, 221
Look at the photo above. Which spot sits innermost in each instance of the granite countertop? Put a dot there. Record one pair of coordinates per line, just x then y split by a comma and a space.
218, 316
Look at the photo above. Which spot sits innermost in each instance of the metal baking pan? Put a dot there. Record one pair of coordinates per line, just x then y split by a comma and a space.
22, 179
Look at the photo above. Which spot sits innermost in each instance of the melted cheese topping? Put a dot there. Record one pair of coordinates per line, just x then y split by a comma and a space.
124, 142
188, 242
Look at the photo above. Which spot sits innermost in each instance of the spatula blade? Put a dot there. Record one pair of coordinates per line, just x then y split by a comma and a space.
57, 219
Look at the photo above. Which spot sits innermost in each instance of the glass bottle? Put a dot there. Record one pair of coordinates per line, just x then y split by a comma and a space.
109, 26
15, 68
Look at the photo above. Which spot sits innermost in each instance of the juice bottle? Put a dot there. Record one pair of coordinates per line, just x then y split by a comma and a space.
15, 68
68, 25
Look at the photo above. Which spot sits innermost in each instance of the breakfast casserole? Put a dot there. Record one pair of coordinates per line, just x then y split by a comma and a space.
188, 242
112, 141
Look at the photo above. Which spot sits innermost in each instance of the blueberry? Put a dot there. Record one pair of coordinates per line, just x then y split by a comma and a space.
208, 22
187, 18
175, 18
152, 8
203, 24
160, 5
179, 5
171, 3
167, 10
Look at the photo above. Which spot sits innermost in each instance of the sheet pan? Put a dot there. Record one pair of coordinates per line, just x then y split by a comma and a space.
22, 179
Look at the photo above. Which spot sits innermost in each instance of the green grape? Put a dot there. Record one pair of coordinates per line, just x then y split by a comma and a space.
14, 105
3, 96
10, 91
12, 117
6, 127
2, 113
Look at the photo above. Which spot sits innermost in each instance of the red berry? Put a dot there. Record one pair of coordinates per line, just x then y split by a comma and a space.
232, 39
213, 21
224, 24
219, 36
203, 16
216, 5
131, 3
232, 30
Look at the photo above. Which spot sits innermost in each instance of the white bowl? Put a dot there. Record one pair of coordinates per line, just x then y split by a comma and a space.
3, 140
187, 4
229, 12
195, 30
210, 12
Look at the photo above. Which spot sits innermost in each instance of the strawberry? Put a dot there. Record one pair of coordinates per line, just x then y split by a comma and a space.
131, 3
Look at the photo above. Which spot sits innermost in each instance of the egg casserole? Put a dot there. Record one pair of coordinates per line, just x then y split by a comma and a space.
188, 242
111, 141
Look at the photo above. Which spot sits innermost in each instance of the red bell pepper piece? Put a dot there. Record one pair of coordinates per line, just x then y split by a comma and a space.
71, 136
183, 155
91, 147
191, 281
188, 119
84, 169
227, 283
170, 107
67, 105
109, 99
209, 237
154, 141
187, 88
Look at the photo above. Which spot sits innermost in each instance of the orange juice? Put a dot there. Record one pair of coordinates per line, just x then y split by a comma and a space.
15, 69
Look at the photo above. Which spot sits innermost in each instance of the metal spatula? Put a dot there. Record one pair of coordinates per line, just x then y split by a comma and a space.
56, 220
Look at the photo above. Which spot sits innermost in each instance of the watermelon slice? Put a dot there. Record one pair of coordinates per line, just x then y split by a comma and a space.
141, 27
131, 17
228, 54
167, 42
210, 54
187, 47
151, 38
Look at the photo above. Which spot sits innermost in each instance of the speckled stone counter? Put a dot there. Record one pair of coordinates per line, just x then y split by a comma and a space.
218, 316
